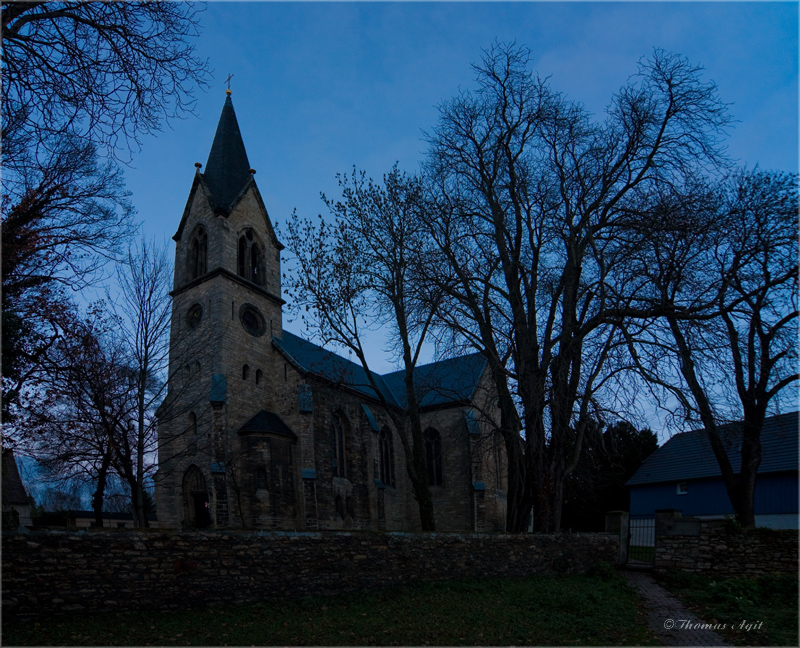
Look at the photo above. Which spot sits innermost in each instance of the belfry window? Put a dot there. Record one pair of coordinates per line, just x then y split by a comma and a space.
198, 248
250, 259
433, 457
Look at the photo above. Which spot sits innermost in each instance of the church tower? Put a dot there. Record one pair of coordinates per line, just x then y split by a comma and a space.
226, 309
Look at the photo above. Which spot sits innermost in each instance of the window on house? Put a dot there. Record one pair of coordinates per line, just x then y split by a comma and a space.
261, 479
682, 490
338, 446
250, 259
259, 376
198, 248
245, 372
433, 457
386, 457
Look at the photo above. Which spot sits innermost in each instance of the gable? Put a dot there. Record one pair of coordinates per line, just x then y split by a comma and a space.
250, 200
689, 455
199, 200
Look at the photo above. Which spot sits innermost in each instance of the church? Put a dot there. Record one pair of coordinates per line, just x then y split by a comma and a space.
261, 429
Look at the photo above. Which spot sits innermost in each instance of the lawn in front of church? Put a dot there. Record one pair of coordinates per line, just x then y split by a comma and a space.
595, 609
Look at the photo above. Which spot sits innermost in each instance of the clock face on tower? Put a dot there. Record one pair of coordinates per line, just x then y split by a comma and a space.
194, 315
252, 320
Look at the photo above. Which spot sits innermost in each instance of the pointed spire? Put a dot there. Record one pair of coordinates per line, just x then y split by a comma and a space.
227, 169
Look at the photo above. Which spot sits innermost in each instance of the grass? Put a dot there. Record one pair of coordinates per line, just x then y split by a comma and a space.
597, 609
768, 603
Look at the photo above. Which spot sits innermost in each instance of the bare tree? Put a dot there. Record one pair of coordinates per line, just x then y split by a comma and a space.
72, 430
143, 309
78, 77
533, 199
72, 216
359, 275
107, 72
721, 265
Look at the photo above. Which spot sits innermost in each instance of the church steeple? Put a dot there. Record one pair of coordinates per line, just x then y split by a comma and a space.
227, 169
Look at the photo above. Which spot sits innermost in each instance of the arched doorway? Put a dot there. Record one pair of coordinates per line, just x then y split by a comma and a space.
196, 510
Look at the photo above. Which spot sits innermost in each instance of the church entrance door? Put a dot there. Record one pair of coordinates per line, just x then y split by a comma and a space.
196, 510
202, 515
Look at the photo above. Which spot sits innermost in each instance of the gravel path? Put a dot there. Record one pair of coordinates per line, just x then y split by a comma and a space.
673, 624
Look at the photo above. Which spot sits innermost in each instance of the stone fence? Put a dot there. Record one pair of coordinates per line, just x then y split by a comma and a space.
715, 547
48, 572
718, 547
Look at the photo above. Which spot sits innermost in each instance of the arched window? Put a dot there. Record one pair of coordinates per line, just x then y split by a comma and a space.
433, 457
338, 446
245, 372
386, 457
242, 259
250, 259
255, 264
259, 376
198, 247
261, 479
192, 423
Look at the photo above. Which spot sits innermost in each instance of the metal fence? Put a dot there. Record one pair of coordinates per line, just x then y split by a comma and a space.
642, 539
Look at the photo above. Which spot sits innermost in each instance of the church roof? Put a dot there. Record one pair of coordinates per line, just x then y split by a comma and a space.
267, 423
310, 358
438, 383
227, 169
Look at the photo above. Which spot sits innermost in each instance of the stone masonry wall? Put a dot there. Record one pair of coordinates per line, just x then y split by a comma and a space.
51, 572
715, 547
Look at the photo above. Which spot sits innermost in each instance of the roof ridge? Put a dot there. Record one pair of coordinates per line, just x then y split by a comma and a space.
437, 363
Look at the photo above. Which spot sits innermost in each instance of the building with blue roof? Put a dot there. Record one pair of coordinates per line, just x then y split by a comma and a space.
263, 429
683, 474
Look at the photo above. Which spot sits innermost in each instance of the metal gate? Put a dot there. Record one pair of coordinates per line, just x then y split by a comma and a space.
641, 540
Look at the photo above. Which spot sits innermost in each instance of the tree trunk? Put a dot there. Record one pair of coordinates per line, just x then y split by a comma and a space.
519, 502
751, 460
99, 493
419, 477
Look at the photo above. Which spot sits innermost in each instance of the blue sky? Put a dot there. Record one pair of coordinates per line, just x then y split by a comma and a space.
319, 87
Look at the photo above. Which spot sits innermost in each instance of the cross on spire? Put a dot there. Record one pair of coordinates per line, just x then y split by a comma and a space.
228, 81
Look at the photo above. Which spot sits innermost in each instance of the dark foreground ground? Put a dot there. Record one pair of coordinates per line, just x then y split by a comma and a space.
596, 609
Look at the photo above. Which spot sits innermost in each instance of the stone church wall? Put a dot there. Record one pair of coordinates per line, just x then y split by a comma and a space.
53, 572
